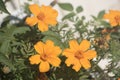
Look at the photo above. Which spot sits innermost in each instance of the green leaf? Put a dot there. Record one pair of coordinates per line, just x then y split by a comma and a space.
20, 30
68, 16
56, 38
95, 18
5, 47
66, 6
101, 14
5, 21
6, 61
79, 9
2, 7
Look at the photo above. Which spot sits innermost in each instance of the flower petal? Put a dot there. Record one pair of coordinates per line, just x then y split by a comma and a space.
42, 26
84, 45
85, 63
76, 65
90, 54
69, 61
55, 61
113, 22
31, 21
107, 16
49, 47
50, 21
35, 9
49, 10
74, 45
68, 52
56, 51
44, 67
52, 50
39, 47
35, 59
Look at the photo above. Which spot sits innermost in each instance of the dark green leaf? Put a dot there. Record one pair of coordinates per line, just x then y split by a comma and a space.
5, 48
20, 30
5, 21
101, 14
6, 61
66, 6
2, 7
79, 9
68, 16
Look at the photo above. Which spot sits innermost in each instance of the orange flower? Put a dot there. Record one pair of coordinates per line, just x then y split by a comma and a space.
113, 17
47, 54
79, 55
43, 15
118, 78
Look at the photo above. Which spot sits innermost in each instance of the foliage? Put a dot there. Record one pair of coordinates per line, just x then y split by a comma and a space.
17, 42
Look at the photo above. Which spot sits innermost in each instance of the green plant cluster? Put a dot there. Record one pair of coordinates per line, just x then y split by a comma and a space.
17, 41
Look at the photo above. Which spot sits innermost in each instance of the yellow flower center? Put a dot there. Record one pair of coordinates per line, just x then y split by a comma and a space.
43, 57
117, 18
78, 55
41, 16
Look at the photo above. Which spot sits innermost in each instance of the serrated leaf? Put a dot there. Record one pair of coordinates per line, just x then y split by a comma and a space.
6, 61
66, 6
68, 16
101, 14
79, 9
2, 7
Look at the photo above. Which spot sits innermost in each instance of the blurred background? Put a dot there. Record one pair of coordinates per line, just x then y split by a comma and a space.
91, 7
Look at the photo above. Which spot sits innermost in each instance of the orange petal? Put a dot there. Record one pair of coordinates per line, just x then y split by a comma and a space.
52, 50
68, 52
55, 61
35, 9
49, 11
85, 63
90, 54
84, 45
56, 51
35, 59
31, 21
44, 67
113, 23
114, 12
50, 21
107, 16
69, 61
42, 26
76, 65
49, 47
74, 45
39, 47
